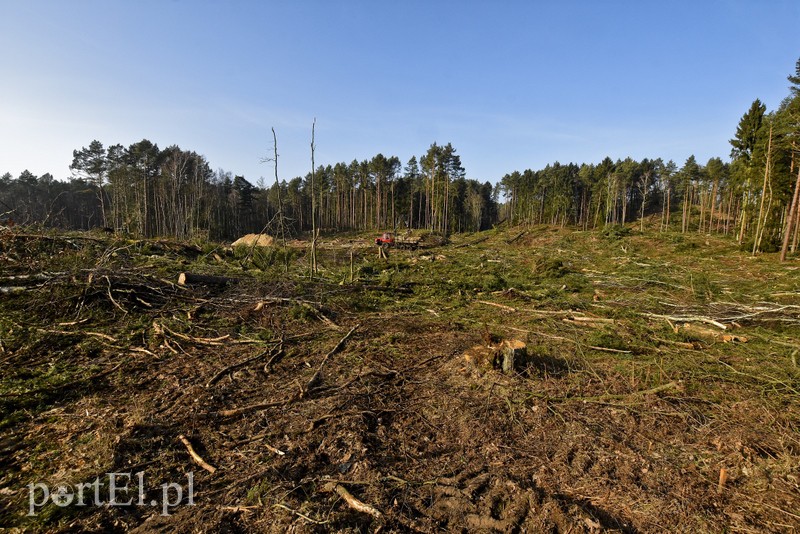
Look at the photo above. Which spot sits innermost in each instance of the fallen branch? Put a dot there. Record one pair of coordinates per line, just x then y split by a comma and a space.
240, 508
608, 396
103, 336
606, 349
688, 319
587, 320
392, 289
143, 350
313, 307
190, 278
352, 502
283, 300
161, 328
501, 306
111, 297
387, 375
313, 425
317, 376
471, 243
8, 290
242, 363
651, 391
233, 412
266, 445
682, 344
516, 237
196, 457
68, 333
299, 514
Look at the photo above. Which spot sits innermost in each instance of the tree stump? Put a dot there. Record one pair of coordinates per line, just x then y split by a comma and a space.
513, 355
508, 356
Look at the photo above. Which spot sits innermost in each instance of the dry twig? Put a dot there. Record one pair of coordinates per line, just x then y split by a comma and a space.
354, 503
244, 362
252, 408
196, 457
501, 306
317, 376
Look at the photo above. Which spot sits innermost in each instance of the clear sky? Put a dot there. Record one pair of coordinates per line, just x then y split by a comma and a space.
511, 84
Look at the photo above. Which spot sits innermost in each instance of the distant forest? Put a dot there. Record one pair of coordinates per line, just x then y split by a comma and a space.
145, 191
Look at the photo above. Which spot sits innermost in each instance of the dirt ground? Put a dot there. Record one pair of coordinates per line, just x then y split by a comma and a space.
345, 403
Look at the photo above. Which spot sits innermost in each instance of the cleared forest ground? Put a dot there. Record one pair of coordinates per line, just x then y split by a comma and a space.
660, 393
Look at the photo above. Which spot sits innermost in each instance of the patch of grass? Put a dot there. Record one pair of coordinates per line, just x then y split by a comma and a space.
607, 338
616, 232
546, 267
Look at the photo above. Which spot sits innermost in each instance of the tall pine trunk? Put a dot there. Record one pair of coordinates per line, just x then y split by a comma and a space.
761, 223
790, 220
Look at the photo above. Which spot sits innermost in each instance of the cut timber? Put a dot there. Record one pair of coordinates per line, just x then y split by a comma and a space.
688, 319
516, 237
496, 305
733, 339
190, 278
588, 320
254, 240
707, 334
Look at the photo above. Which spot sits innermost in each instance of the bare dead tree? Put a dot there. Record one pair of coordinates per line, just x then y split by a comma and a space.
279, 217
314, 229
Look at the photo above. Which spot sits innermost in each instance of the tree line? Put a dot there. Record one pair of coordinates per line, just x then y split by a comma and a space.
147, 191
754, 197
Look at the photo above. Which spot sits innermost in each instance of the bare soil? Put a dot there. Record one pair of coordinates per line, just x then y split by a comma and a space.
300, 392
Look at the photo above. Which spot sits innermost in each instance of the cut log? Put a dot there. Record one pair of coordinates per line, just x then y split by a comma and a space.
700, 332
190, 278
510, 241
254, 240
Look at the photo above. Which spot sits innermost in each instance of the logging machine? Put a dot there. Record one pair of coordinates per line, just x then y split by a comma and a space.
388, 239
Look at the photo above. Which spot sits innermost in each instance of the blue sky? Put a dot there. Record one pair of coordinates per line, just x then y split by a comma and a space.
511, 84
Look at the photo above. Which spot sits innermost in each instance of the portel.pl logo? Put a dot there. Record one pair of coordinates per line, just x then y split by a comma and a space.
114, 489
